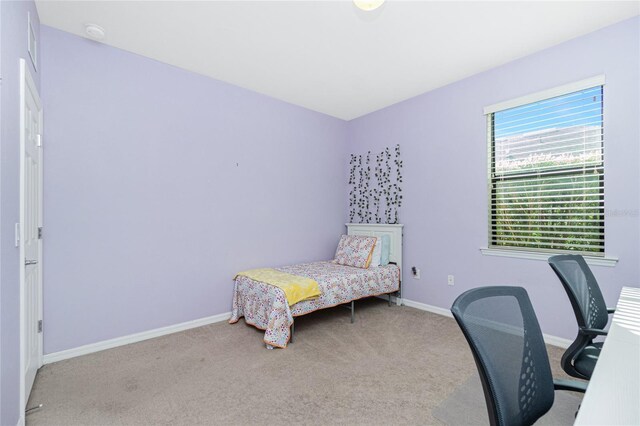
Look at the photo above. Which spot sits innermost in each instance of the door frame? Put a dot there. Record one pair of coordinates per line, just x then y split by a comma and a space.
26, 81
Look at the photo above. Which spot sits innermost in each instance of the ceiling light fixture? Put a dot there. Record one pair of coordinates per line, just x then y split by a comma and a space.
94, 31
368, 5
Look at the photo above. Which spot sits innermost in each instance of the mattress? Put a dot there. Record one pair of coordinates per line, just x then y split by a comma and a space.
265, 306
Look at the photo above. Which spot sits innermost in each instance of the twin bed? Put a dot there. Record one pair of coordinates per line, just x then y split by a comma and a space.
265, 306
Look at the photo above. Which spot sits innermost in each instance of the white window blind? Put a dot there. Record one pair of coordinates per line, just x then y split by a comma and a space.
546, 174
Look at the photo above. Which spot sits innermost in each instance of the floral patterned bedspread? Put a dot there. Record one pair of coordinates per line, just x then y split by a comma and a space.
265, 306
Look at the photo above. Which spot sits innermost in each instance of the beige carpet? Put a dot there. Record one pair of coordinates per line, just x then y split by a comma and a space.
393, 366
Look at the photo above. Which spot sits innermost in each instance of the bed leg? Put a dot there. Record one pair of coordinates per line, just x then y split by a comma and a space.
389, 299
293, 327
353, 319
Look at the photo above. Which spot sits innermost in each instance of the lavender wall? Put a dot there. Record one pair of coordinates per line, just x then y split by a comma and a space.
13, 46
160, 184
443, 139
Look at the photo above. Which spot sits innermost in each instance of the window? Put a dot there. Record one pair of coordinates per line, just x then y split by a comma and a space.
546, 171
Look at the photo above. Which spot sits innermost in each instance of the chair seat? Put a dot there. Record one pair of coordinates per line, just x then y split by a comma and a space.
586, 361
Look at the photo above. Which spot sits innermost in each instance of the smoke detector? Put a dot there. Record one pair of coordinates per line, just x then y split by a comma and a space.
94, 31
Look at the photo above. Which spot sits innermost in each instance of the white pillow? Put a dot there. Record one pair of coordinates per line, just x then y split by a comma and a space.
377, 253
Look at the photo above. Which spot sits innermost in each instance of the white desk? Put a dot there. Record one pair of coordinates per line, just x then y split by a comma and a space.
613, 395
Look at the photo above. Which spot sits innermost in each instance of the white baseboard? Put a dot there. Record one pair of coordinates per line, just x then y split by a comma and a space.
132, 338
150, 334
394, 299
556, 341
548, 339
428, 308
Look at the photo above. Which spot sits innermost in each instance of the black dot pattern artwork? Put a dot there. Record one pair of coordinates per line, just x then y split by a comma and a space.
375, 200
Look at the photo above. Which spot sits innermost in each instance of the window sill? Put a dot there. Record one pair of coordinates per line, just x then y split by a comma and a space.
521, 254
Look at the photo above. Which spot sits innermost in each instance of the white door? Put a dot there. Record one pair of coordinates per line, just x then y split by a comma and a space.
30, 223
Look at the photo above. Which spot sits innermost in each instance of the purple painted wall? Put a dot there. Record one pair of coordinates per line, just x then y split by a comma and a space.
132, 145
13, 46
160, 184
443, 139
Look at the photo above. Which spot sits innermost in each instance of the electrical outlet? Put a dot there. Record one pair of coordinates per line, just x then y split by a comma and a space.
450, 280
416, 273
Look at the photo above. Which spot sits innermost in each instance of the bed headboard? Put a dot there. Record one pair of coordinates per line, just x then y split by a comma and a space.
375, 230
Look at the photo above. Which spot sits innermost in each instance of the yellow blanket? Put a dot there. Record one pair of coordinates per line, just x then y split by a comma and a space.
296, 288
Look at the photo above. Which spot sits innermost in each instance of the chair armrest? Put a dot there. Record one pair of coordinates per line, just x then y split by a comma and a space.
611, 310
593, 332
570, 385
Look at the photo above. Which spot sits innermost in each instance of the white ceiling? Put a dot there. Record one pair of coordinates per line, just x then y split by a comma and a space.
327, 55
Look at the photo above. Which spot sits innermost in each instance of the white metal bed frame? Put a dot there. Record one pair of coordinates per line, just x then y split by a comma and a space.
394, 231
395, 235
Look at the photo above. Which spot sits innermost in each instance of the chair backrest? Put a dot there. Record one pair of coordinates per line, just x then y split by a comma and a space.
504, 335
582, 288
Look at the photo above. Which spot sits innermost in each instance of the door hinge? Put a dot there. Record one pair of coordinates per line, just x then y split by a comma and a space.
39, 232
39, 326
39, 140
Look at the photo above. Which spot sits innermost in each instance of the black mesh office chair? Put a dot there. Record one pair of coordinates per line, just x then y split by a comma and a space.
502, 330
590, 309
